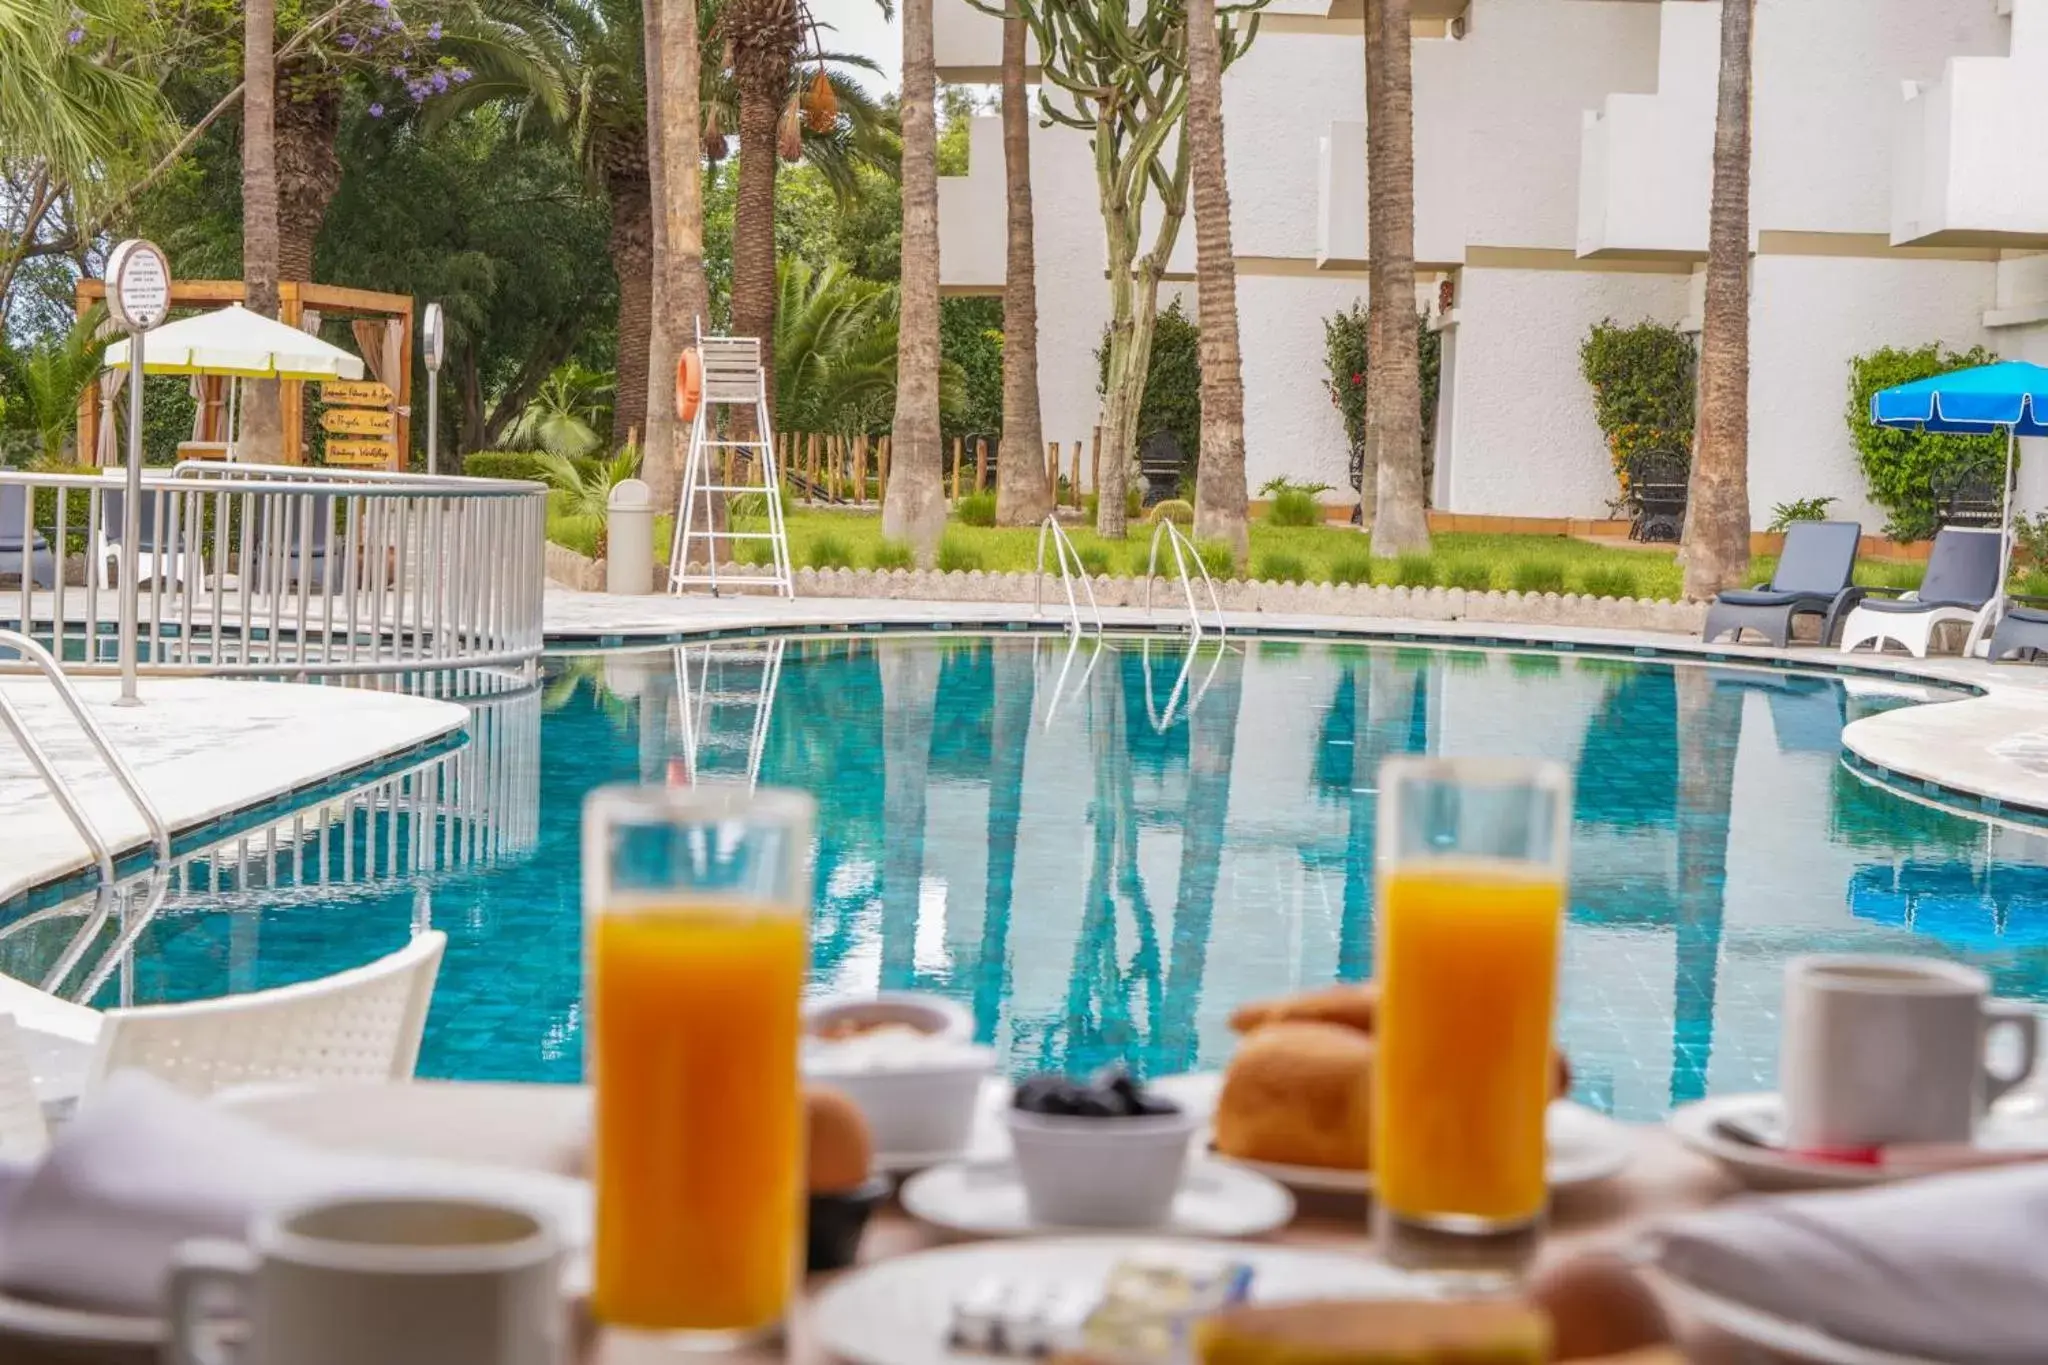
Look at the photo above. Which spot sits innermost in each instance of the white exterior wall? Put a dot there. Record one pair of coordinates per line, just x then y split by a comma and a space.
1555, 130
1525, 443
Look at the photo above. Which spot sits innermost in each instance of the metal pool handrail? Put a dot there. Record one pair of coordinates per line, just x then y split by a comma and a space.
1064, 549
1183, 550
284, 571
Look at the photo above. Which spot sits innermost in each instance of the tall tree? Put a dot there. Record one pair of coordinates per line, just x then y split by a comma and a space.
1219, 478
262, 421
1394, 410
914, 508
765, 36
1023, 494
1716, 549
676, 135
658, 432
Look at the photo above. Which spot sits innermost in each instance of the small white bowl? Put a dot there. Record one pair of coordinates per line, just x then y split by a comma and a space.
1101, 1172
922, 1109
933, 1014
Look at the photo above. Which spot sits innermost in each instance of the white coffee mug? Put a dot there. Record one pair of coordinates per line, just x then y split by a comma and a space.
387, 1280
1883, 1050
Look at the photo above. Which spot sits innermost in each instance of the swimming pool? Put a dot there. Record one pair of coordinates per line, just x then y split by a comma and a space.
1102, 854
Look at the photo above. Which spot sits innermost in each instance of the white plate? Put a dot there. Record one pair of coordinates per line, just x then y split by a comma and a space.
2016, 1124
1781, 1336
897, 1311
1585, 1146
986, 1199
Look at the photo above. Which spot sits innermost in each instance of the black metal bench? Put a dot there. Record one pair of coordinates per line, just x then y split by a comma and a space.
1160, 462
1658, 482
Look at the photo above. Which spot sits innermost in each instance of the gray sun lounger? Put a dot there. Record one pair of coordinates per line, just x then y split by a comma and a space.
1812, 580
1961, 581
2022, 630
22, 547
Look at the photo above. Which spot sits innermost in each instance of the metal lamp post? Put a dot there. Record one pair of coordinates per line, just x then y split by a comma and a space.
432, 343
138, 298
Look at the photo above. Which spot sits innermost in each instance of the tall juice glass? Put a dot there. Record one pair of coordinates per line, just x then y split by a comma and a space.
696, 904
1470, 882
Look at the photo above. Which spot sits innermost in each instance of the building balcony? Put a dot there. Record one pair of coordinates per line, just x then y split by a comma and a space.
1967, 169
1646, 161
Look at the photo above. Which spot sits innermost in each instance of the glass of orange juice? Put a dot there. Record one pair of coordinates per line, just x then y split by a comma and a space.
1470, 891
696, 903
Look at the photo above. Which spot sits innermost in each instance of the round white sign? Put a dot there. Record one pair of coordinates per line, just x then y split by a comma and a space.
432, 341
138, 285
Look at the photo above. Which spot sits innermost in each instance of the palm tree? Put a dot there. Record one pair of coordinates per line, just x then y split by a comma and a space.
779, 97
1716, 549
659, 432
681, 287
586, 490
1394, 410
1219, 479
262, 421
45, 382
1023, 494
837, 336
914, 509
566, 415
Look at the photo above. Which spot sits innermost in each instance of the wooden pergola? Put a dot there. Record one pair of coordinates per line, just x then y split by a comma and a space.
295, 299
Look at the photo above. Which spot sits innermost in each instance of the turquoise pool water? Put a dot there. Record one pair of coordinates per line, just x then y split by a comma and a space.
1101, 855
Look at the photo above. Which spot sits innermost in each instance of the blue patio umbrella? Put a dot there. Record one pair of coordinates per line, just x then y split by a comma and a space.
2010, 396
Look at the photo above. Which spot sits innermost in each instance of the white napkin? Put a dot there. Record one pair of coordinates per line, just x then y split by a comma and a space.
144, 1167
1949, 1267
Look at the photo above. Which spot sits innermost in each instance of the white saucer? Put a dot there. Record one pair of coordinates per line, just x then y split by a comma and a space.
986, 1199
1779, 1336
896, 1312
1585, 1146
2015, 1124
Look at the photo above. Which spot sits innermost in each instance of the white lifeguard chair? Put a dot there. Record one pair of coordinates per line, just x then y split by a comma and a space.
727, 375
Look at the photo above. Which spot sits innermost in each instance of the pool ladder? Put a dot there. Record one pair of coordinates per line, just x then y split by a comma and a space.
1183, 551
74, 811
1064, 549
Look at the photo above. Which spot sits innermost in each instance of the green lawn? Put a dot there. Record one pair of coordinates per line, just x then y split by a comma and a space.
849, 539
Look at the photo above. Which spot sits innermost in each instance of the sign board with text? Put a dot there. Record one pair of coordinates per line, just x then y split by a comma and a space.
138, 285
362, 454
358, 422
355, 394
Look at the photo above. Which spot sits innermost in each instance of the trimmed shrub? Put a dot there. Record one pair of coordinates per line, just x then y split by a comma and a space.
1295, 507
1537, 575
1470, 574
519, 464
1216, 558
1642, 381
957, 556
1094, 558
1173, 382
891, 554
754, 553
1604, 580
828, 552
1175, 510
1414, 571
1902, 468
1351, 569
976, 509
1280, 567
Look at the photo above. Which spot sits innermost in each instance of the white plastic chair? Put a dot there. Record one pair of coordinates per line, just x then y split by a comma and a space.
363, 1024
1961, 586
152, 561
24, 1134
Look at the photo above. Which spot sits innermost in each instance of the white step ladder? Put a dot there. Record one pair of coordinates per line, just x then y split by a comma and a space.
732, 379
721, 685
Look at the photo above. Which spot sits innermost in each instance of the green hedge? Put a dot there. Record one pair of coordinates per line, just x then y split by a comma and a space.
517, 464
1902, 468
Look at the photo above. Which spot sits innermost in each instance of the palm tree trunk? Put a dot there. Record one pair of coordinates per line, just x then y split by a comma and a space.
1709, 716
753, 217
915, 508
1219, 478
1400, 520
1023, 497
632, 253
262, 422
308, 172
658, 425
1716, 550
681, 229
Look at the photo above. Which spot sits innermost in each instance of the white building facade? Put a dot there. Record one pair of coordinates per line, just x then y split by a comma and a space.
1899, 195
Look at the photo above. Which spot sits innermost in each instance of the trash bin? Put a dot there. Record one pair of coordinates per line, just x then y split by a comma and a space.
629, 527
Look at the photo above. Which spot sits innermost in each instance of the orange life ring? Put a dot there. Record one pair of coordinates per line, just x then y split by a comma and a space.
689, 383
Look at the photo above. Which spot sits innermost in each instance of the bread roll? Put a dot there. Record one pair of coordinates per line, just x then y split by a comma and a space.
1353, 1005
839, 1146
1376, 1332
1299, 1094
